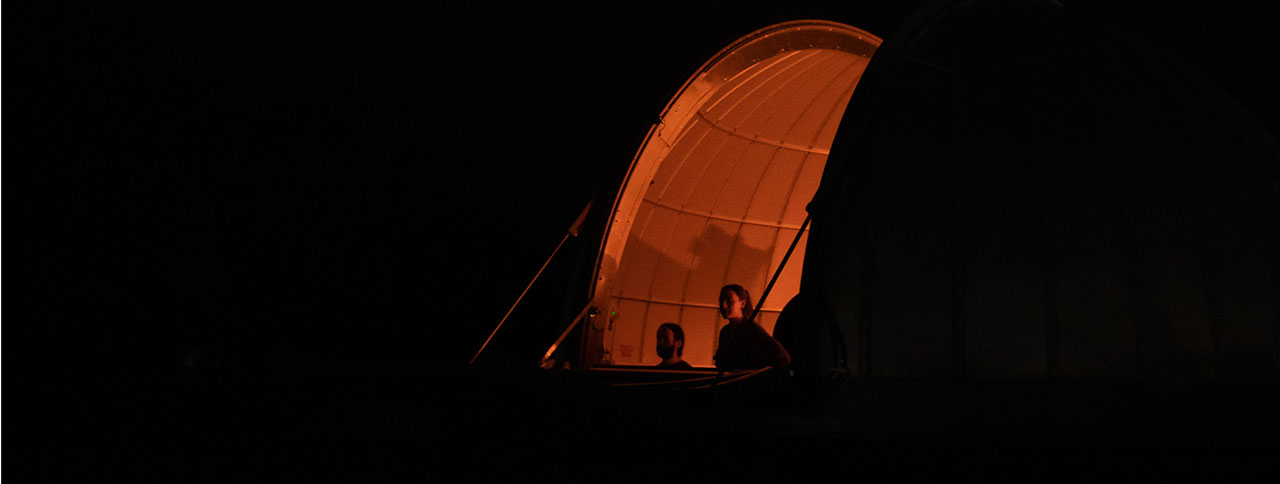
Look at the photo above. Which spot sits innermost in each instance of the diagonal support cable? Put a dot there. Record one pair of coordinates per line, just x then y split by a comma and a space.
573, 232
759, 304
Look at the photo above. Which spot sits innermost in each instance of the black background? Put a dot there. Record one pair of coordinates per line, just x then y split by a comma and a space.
361, 182
241, 187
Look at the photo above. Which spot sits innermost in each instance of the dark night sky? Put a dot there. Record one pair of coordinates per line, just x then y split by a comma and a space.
361, 182
251, 186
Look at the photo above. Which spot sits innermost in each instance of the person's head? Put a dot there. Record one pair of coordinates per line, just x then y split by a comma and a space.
735, 303
670, 340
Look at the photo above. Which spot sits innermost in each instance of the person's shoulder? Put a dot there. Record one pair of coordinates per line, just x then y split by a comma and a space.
756, 328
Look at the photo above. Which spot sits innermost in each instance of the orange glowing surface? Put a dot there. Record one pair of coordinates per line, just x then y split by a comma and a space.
718, 191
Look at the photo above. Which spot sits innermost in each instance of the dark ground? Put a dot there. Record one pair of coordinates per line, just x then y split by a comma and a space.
343, 426
263, 241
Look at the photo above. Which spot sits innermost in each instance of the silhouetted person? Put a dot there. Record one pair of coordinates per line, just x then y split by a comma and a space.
744, 344
671, 347
800, 330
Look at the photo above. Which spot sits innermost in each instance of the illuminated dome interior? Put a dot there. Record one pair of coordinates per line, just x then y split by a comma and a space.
717, 192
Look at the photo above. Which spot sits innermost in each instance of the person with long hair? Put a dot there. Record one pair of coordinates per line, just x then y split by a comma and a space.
743, 344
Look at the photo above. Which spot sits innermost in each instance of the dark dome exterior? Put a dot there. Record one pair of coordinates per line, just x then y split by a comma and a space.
1015, 194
